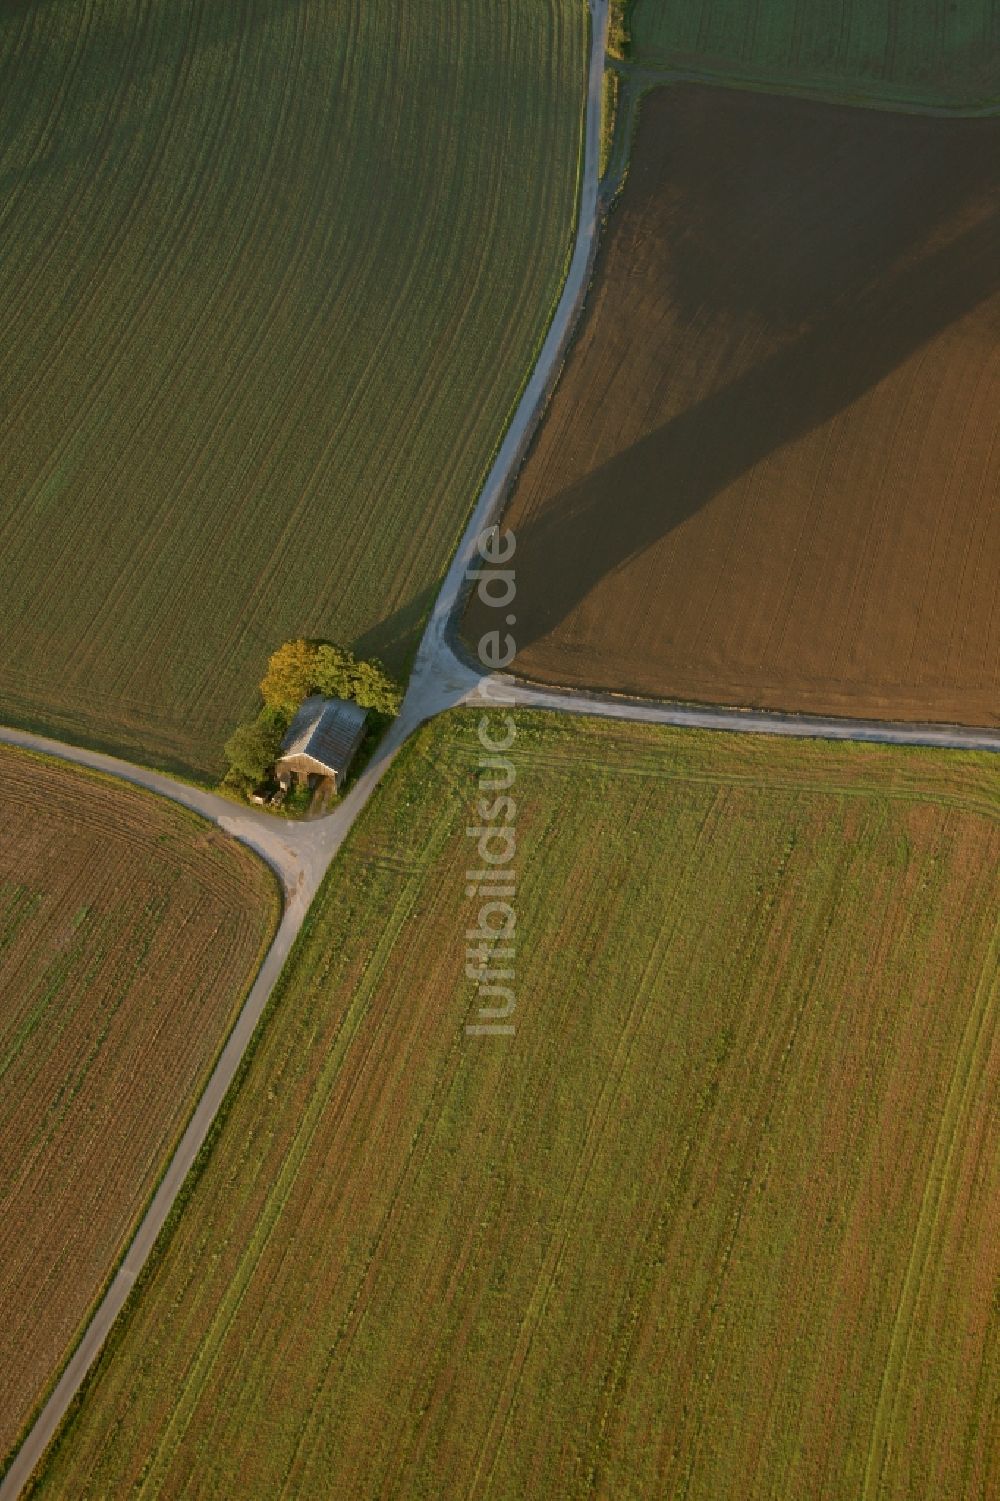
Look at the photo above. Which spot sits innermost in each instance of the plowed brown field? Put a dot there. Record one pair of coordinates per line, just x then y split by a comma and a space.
129, 934
770, 473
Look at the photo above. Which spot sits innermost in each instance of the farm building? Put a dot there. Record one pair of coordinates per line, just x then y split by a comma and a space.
321, 743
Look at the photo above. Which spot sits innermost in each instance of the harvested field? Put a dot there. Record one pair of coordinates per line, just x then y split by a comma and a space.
130, 932
275, 273
918, 51
769, 475
718, 1220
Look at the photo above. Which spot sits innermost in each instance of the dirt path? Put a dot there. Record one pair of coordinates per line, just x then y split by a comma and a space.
301, 853
754, 721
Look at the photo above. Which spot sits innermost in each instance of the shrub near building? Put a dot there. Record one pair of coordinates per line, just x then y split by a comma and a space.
294, 672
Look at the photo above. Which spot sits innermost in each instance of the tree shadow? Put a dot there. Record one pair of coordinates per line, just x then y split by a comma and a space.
394, 640
830, 331
770, 208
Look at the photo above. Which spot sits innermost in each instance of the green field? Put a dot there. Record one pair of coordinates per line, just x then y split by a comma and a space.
274, 274
933, 52
719, 1218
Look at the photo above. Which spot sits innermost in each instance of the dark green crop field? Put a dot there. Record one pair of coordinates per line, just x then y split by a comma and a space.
274, 272
718, 1220
932, 52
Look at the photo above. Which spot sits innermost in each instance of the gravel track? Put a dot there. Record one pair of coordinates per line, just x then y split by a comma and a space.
301, 852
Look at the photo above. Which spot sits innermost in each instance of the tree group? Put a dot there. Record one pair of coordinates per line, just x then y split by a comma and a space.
294, 672
300, 668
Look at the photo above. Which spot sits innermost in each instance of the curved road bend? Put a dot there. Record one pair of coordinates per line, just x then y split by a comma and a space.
291, 849
301, 852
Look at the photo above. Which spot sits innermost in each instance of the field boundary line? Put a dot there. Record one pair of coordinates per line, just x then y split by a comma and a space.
193, 827
301, 853
210, 1349
437, 666
646, 76
637, 79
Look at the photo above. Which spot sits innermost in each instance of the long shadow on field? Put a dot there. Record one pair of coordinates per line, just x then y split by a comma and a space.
394, 640
623, 507
840, 329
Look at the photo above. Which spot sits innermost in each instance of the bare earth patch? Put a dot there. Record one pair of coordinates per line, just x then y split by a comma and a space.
769, 475
130, 932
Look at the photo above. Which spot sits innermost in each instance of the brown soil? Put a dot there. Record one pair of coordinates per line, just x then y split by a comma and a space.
769, 475
130, 932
